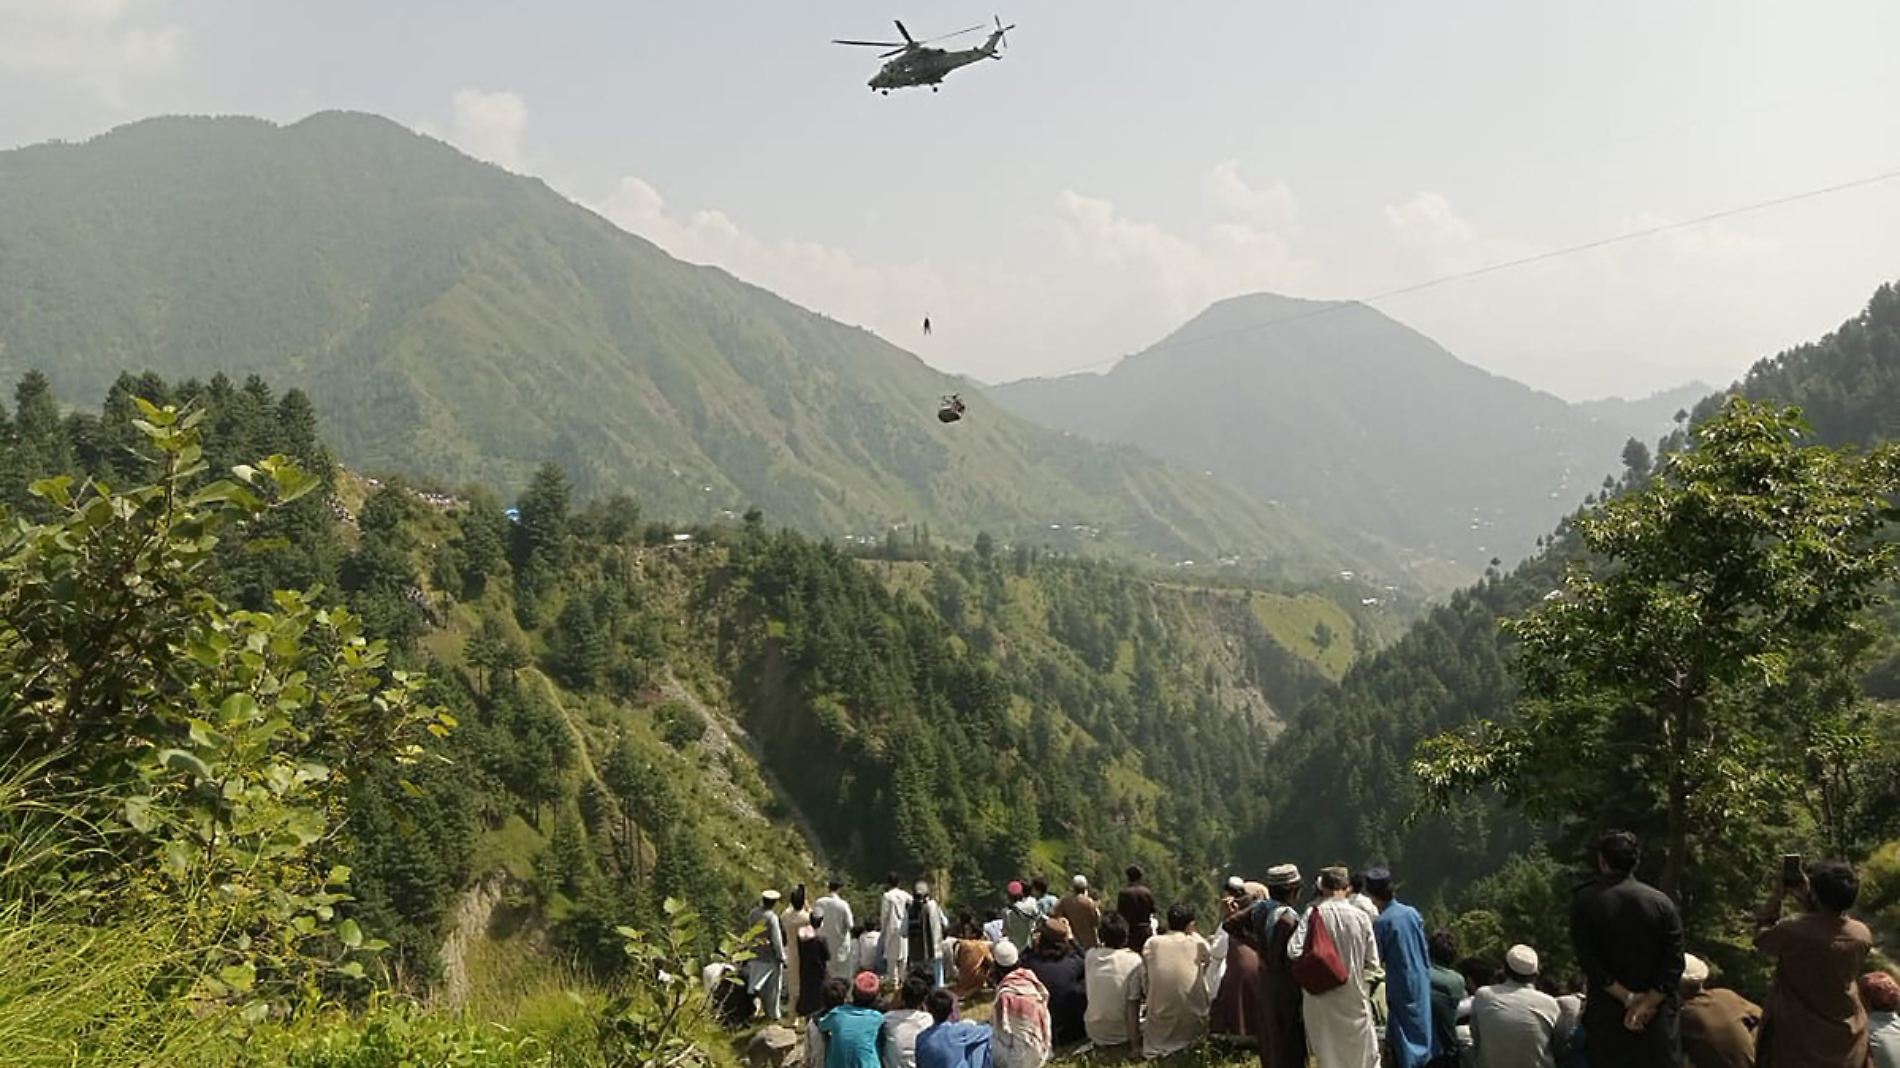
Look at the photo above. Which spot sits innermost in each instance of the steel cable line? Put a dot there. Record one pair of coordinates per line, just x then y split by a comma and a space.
1568, 250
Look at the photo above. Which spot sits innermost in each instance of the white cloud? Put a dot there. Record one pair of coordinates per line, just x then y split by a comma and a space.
1106, 281
1268, 209
489, 125
105, 48
1626, 317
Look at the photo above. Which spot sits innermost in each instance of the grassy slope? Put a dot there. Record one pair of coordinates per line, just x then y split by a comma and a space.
454, 320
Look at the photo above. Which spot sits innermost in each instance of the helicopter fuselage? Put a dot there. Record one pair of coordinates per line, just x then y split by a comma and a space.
927, 66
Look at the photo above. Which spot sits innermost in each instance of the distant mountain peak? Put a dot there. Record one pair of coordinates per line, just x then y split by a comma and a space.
1350, 415
456, 321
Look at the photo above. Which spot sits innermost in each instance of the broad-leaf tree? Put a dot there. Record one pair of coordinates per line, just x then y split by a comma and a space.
1695, 678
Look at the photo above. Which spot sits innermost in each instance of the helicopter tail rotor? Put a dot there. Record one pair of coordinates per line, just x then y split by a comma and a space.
999, 40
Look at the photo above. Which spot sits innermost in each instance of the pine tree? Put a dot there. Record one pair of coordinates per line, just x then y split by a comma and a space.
577, 649
42, 448
570, 861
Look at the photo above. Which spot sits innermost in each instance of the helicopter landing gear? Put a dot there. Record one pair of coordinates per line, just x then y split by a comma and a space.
933, 88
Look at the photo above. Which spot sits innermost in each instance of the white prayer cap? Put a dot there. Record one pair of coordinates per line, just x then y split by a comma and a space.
1235, 882
1694, 969
1521, 961
921, 888
1005, 953
770, 895
1080, 882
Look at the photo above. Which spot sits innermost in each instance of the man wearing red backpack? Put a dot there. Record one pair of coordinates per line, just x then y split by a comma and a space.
1330, 951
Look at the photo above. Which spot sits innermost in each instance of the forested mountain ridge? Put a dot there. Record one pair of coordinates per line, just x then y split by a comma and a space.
1347, 755
1643, 418
639, 705
1348, 415
452, 320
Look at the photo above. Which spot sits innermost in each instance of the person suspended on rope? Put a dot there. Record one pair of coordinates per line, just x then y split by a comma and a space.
951, 409
926, 326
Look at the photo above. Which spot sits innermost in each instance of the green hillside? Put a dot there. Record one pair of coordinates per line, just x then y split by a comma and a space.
639, 710
1351, 417
455, 321
1347, 754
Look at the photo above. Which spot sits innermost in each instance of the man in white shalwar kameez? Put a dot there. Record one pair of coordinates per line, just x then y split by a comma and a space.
840, 946
1339, 1030
894, 922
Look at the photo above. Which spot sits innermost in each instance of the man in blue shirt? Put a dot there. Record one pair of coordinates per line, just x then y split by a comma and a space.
1400, 932
851, 1030
947, 1043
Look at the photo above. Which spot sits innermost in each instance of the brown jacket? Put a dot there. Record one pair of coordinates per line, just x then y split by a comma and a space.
1083, 915
1718, 1030
1814, 1018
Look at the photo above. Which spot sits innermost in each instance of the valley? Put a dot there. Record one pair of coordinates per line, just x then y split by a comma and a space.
430, 615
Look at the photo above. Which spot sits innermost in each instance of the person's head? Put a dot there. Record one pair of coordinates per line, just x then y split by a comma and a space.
1113, 931
941, 1004
915, 989
921, 890
1334, 880
1879, 992
1133, 873
1180, 917
1378, 885
1695, 974
891, 880
1053, 939
1080, 884
836, 885
1004, 956
798, 896
1283, 883
857, 931
769, 899
966, 923
1477, 973
1357, 881
835, 992
1040, 885
1234, 887
1014, 890
1618, 852
864, 990
1834, 885
1442, 946
1520, 963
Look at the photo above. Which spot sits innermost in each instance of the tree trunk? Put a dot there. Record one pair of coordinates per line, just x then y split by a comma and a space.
1676, 861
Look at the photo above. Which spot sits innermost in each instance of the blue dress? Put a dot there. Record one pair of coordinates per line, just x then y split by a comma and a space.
1400, 932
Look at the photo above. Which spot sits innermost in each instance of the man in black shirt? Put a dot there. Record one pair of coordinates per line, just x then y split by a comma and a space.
1136, 903
1628, 938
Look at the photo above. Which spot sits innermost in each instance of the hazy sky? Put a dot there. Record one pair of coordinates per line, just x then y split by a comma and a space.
1127, 163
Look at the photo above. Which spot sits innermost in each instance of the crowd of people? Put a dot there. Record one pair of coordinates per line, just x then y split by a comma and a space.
1338, 973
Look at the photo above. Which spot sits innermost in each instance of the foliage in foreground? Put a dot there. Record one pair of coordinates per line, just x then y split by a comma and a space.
1696, 680
204, 754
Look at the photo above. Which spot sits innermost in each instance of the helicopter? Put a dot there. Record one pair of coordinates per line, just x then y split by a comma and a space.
916, 64
951, 409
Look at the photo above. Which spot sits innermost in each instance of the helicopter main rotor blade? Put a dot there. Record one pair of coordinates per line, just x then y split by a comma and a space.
947, 36
872, 44
908, 39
